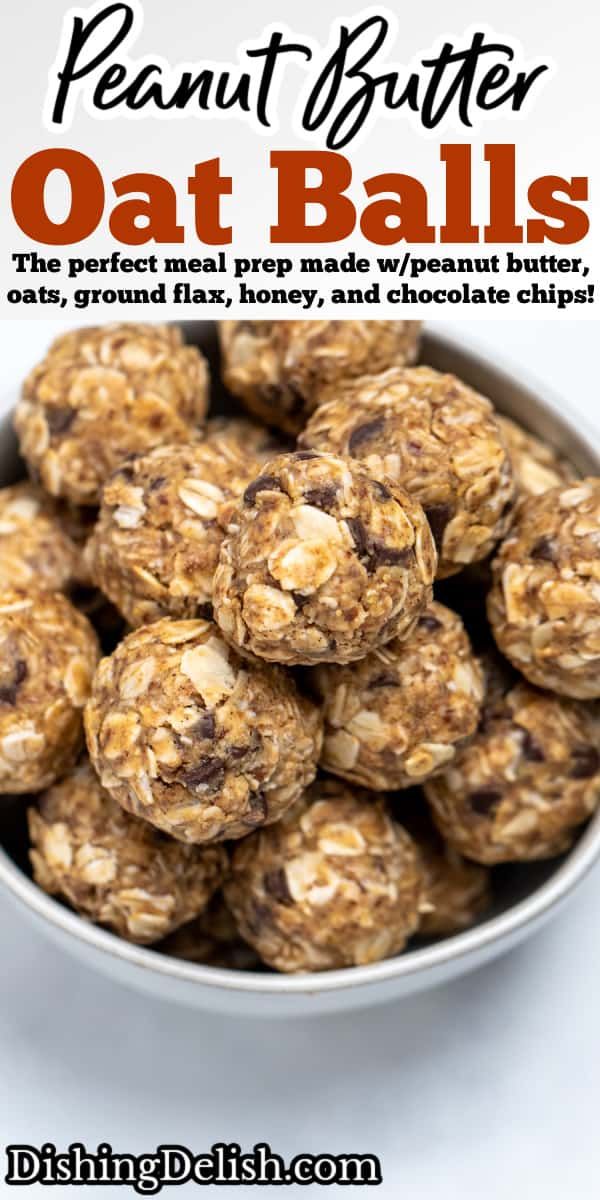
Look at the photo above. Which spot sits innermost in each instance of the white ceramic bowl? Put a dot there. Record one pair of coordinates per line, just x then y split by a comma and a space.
525, 896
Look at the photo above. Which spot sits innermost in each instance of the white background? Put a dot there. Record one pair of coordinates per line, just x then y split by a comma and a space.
487, 1088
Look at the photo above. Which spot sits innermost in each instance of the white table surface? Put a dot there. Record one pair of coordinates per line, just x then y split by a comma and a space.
488, 1087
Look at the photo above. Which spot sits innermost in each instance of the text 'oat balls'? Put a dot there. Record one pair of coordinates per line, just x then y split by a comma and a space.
435, 437
102, 394
48, 654
162, 520
544, 605
322, 563
277, 367
113, 868
399, 715
204, 746
528, 778
335, 883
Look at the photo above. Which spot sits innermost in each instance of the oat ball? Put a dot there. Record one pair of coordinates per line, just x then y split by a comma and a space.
528, 778
544, 604
35, 549
336, 883
322, 563
212, 940
113, 868
435, 437
102, 394
162, 520
457, 892
536, 465
48, 654
204, 746
251, 437
401, 714
277, 367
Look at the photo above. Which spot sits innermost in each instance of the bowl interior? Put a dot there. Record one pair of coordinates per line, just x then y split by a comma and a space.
512, 884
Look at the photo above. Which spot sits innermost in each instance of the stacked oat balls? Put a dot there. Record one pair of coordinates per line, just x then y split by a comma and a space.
295, 753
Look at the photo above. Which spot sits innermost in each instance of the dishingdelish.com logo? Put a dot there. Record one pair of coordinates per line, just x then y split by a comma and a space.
173, 1165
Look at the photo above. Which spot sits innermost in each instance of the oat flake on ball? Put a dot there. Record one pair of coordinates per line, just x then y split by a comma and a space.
322, 563
335, 883
48, 654
102, 394
401, 714
544, 604
162, 520
112, 867
277, 367
204, 746
435, 437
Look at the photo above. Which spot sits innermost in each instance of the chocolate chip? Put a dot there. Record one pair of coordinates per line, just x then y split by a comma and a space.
381, 491
205, 611
359, 535
208, 772
322, 497
429, 623
204, 727
586, 762
275, 884
438, 516
60, 418
381, 556
264, 483
544, 548
531, 749
8, 692
485, 800
363, 433
384, 679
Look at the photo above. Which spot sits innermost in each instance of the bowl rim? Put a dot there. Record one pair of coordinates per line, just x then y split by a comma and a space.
495, 930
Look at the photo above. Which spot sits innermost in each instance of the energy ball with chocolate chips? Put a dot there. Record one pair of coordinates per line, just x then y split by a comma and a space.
48, 654
544, 604
35, 548
336, 883
536, 465
102, 394
277, 367
113, 868
322, 563
401, 714
204, 746
528, 778
212, 940
162, 520
435, 437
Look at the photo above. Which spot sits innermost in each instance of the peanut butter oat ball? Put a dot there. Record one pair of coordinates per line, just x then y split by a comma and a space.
544, 604
102, 394
277, 367
435, 437
528, 778
204, 746
35, 549
212, 940
336, 883
163, 517
457, 892
322, 563
536, 465
401, 714
113, 868
48, 654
